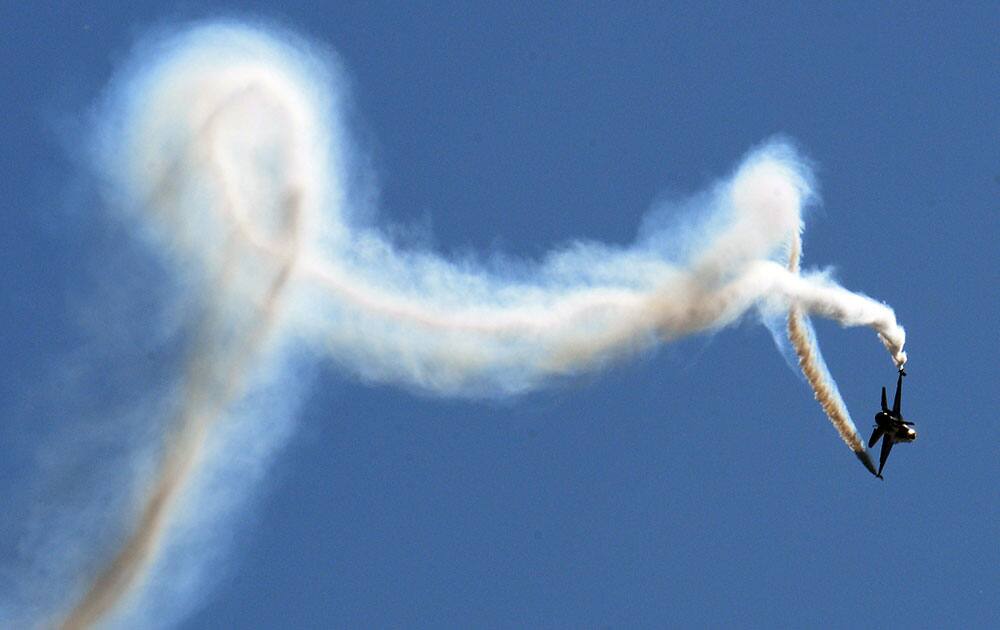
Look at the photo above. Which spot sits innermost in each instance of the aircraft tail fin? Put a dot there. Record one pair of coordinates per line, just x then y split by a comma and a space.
885, 404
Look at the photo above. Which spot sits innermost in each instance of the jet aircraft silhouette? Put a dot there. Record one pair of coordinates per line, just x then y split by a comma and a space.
890, 425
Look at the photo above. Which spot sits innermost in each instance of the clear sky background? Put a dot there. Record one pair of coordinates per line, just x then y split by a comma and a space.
698, 484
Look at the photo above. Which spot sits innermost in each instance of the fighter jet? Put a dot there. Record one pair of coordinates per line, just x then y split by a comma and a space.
891, 426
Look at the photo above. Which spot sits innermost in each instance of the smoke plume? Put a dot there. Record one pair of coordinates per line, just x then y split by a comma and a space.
225, 143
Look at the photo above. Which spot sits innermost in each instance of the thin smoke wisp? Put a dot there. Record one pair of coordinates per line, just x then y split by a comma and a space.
227, 145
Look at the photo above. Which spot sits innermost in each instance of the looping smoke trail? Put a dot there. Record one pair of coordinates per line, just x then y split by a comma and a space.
227, 341
228, 145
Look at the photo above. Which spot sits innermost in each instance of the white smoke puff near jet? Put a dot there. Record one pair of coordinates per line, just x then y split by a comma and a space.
228, 145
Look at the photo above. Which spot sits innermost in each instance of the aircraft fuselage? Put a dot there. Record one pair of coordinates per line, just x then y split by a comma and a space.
895, 427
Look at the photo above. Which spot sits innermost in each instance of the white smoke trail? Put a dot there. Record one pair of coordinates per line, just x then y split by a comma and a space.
229, 146
813, 367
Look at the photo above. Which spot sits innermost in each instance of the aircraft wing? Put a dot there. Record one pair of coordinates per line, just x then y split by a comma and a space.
886, 447
876, 434
899, 394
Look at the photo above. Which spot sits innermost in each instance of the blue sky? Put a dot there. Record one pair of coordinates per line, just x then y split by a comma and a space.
698, 484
